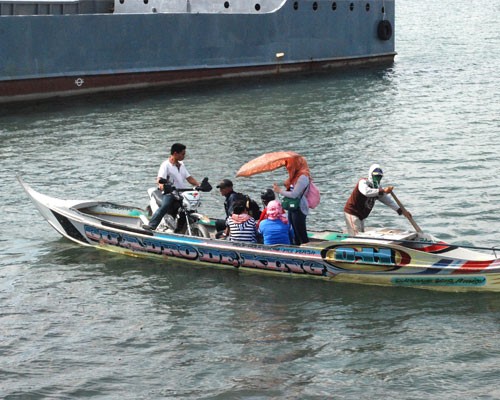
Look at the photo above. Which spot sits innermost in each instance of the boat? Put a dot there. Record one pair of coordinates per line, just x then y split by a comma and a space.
55, 48
386, 257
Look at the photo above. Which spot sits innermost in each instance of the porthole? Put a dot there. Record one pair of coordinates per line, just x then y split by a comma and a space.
351, 6
296, 5
226, 4
122, 1
146, 1
257, 7
334, 6
367, 7
315, 6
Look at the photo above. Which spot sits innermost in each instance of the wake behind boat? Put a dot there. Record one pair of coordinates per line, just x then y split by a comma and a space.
384, 257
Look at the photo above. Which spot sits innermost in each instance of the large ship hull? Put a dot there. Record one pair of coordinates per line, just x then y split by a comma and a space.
54, 55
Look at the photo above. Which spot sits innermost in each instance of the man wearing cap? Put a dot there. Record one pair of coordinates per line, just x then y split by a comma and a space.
173, 171
226, 189
362, 199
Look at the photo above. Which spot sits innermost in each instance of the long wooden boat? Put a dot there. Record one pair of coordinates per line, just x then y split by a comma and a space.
384, 257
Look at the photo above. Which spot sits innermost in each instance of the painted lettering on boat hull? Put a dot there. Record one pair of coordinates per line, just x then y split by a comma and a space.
365, 258
440, 281
206, 254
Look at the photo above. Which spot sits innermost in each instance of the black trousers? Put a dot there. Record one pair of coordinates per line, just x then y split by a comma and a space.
298, 221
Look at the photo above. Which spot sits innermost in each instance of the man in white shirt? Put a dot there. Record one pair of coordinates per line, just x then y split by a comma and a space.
173, 171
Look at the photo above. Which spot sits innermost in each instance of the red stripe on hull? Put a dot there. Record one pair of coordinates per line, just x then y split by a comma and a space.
435, 248
472, 267
43, 88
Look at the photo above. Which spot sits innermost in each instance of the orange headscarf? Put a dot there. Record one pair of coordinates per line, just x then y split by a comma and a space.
296, 167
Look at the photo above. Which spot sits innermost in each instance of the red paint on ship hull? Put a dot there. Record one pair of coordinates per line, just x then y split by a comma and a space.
43, 88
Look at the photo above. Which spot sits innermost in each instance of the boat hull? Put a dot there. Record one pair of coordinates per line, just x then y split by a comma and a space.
103, 52
387, 260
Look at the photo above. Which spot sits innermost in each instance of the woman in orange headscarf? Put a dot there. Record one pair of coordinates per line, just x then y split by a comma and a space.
296, 187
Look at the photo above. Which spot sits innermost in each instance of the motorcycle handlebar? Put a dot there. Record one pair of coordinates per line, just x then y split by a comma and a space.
204, 187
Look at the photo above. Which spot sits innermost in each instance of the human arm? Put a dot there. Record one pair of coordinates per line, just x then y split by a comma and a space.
162, 174
384, 198
369, 191
226, 231
192, 181
158, 184
263, 216
184, 175
297, 191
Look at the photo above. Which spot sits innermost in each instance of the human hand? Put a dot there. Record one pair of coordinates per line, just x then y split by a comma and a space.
388, 189
276, 188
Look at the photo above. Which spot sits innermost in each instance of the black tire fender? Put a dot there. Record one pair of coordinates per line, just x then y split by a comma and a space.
384, 30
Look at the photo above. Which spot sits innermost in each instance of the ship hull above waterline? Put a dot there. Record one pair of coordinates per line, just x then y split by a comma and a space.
55, 55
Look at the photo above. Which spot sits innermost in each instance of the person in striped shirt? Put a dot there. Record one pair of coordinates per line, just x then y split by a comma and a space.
241, 227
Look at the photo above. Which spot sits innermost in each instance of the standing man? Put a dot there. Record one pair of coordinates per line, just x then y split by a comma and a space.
362, 199
173, 171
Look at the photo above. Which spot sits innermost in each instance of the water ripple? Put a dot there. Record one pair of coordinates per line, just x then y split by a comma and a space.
76, 323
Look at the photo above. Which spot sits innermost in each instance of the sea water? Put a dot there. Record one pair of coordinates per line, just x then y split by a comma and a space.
80, 323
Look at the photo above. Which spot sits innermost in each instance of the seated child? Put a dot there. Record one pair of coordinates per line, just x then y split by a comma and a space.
240, 227
275, 229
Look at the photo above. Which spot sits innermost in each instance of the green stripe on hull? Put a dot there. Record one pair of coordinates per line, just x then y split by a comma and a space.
449, 281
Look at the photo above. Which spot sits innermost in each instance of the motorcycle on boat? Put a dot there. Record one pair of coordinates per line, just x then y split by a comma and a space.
183, 216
